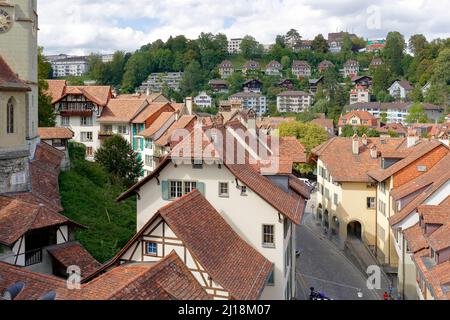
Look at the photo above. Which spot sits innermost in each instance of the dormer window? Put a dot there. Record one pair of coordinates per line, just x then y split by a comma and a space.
243, 191
422, 168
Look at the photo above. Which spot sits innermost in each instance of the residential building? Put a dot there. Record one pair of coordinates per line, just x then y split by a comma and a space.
358, 119
252, 100
288, 84
203, 100
234, 45
218, 85
359, 94
336, 40
226, 69
271, 209
363, 81
375, 45
301, 69
294, 101
157, 81
305, 45
58, 138
252, 85
376, 62
274, 68
351, 68
396, 129
230, 105
271, 125
78, 108
250, 67
106, 58
400, 89
419, 178
314, 84
324, 65
66, 66
327, 124
395, 112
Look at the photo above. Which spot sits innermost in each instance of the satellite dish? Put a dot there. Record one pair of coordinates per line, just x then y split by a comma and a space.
49, 296
13, 290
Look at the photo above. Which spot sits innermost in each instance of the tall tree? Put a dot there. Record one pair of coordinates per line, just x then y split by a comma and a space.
119, 159
381, 79
250, 48
417, 43
193, 79
416, 114
293, 39
394, 52
46, 116
319, 44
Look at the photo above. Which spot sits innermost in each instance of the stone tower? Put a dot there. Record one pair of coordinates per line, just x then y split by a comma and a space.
18, 92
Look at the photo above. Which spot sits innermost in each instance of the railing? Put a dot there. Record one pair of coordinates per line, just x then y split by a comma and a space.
105, 134
33, 257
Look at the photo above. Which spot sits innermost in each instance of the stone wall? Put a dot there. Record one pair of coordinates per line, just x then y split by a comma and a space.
14, 173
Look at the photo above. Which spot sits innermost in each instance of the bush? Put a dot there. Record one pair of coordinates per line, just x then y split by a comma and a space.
77, 151
91, 170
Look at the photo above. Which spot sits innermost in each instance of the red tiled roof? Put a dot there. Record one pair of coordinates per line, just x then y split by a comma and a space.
230, 261
9, 80
121, 110
100, 95
55, 133
299, 187
437, 275
292, 149
416, 239
163, 119
73, 253
56, 89
362, 115
325, 123
151, 109
182, 123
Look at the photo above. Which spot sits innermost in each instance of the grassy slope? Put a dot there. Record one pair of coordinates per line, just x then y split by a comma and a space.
110, 224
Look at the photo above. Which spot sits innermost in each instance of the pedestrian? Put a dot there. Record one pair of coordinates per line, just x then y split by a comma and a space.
399, 296
385, 296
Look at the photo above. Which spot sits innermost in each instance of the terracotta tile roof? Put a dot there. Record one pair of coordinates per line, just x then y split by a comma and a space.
56, 89
100, 95
422, 181
273, 122
300, 63
151, 109
121, 110
231, 262
182, 123
299, 187
163, 119
344, 166
168, 279
9, 79
325, 123
440, 239
394, 127
416, 239
55, 133
17, 217
435, 214
362, 115
422, 148
438, 276
325, 64
292, 149
405, 84
73, 253
412, 206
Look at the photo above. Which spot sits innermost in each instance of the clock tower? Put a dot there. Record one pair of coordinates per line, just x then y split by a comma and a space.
18, 92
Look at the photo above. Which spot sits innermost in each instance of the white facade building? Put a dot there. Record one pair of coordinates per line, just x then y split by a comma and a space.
70, 66
359, 94
252, 100
203, 100
294, 101
234, 45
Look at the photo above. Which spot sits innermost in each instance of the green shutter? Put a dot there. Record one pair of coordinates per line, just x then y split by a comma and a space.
165, 190
134, 129
142, 144
201, 187
134, 144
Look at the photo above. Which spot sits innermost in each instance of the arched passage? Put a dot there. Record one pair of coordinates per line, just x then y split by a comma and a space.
354, 229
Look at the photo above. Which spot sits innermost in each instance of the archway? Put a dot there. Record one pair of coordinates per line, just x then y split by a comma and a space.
354, 229
335, 225
319, 212
326, 220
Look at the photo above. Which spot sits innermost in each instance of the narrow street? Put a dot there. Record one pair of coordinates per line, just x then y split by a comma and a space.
324, 266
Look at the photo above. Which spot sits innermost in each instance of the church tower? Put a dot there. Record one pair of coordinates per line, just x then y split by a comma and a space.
18, 92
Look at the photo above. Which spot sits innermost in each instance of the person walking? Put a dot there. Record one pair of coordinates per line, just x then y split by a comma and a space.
385, 296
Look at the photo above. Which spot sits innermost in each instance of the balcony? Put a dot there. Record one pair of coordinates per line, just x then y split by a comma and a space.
105, 134
75, 112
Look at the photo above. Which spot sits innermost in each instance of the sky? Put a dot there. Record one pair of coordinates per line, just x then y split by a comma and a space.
83, 26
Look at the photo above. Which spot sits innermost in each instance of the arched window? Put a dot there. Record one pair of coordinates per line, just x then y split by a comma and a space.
10, 116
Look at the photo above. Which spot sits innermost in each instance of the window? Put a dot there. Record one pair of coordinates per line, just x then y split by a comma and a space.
151, 248
123, 130
65, 121
268, 236
243, 190
86, 136
422, 168
370, 203
271, 280
327, 194
89, 152
179, 188
335, 199
107, 129
382, 207
223, 190
383, 187
149, 143
86, 121
148, 160
197, 164
10, 116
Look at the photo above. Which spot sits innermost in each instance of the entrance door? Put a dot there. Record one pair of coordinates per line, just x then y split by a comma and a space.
354, 229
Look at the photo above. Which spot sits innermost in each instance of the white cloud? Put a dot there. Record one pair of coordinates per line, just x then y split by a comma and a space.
83, 26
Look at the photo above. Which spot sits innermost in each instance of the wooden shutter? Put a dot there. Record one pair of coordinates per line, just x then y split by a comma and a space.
165, 189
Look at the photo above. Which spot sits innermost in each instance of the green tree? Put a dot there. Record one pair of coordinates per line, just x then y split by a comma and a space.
394, 52
416, 94
347, 131
319, 44
118, 158
417, 43
236, 81
381, 79
193, 79
46, 115
250, 48
416, 114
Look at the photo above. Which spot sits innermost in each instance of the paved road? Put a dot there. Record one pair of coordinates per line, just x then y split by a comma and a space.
323, 266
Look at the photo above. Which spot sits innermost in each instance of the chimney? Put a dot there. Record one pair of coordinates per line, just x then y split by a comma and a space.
251, 120
364, 139
355, 145
412, 138
148, 91
373, 152
189, 106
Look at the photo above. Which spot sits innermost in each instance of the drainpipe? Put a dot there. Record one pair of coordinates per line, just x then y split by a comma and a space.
403, 266
389, 231
376, 222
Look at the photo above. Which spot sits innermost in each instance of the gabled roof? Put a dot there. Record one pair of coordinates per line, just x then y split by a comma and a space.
10, 80
100, 95
351, 62
292, 149
362, 115
300, 63
404, 84
293, 93
150, 110
418, 151
416, 239
56, 89
251, 64
163, 118
121, 110
55, 133
181, 123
